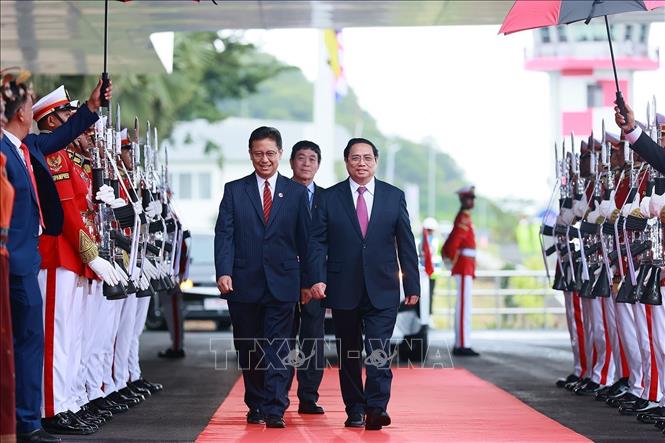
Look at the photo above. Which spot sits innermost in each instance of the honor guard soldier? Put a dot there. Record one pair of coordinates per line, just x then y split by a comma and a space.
459, 250
429, 259
64, 260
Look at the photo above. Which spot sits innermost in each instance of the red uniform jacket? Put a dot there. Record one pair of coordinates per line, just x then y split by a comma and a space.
460, 243
75, 246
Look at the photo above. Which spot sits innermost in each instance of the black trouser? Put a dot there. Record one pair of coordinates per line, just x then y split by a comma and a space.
308, 326
261, 333
377, 325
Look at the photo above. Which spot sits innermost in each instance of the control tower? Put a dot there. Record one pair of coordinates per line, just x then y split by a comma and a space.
582, 86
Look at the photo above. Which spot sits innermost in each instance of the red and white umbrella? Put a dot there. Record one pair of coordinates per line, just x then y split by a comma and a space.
532, 14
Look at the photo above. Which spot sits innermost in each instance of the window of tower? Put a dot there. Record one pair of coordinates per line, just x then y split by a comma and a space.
563, 36
545, 35
644, 32
628, 32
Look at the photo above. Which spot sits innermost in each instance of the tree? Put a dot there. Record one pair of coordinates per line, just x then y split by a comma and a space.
207, 69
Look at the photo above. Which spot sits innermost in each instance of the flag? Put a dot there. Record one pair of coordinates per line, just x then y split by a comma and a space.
427, 254
333, 41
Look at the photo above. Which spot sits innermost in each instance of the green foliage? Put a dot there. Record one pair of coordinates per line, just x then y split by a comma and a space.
202, 77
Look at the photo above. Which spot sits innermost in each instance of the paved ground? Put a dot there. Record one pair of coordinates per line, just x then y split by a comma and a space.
523, 363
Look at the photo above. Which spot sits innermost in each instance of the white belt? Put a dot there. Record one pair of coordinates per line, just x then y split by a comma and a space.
467, 252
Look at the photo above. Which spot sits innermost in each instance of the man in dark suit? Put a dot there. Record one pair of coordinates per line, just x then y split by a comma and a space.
359, 230
260, 244
309, 314
36, 210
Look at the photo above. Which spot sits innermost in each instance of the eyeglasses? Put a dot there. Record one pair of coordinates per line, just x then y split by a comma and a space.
355, 159
271, 155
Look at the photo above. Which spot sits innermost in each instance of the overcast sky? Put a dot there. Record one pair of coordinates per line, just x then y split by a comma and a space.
464, 86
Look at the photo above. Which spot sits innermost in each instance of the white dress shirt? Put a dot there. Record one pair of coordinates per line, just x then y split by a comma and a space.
261, 184
16, 143
368, 195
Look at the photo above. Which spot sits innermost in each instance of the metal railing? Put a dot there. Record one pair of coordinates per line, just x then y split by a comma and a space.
503, 300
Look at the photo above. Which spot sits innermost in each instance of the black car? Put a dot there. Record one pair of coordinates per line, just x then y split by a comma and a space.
199, 290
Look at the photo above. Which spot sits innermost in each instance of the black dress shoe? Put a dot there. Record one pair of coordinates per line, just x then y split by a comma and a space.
355, 421
617, 400
139, 390
121, 399
171, 353
37, 436
102, 404
660, 423
152, 387
588, 389
619, 387
631, 408
275, 421
63, 424
255, 417
652, 416
465, 352
91, 419
310, 408
560, 383
77, 420
574, 384
376, 419
128, 392
94, 411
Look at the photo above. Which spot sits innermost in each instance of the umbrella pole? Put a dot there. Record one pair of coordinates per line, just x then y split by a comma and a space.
105, 74
619, 97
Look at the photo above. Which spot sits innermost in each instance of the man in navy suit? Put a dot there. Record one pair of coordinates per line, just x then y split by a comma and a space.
260, 245
359, 230
308, 324
36, 210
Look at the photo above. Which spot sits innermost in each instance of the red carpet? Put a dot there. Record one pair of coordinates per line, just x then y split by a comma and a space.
427, 405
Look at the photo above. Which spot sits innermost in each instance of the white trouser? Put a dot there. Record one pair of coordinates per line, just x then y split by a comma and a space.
172, 309
109, 347
620, 362
142, 305
587, 323
102, 345
573, 305
603, 369
659, 340
123, 342
463, 311
92, 304
61, 325
628, 342
644, 326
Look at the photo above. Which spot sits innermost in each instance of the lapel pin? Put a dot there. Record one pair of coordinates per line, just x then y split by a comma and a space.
280, 195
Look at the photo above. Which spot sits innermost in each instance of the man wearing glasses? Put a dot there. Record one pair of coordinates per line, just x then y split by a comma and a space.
359, 230
260, 246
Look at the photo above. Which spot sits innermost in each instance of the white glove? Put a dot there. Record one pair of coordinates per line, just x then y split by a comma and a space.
630, 206
580, 207
645, 204
656, 205
154, 209
124, 278
165, 268
105, 270
566, 217
593, 215
105, 194
608, 206
149, 269
144, 283
138, 208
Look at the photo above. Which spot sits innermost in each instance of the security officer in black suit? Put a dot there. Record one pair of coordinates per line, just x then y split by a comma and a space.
309, 316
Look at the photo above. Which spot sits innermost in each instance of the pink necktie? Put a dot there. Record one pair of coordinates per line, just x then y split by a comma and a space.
361, 211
